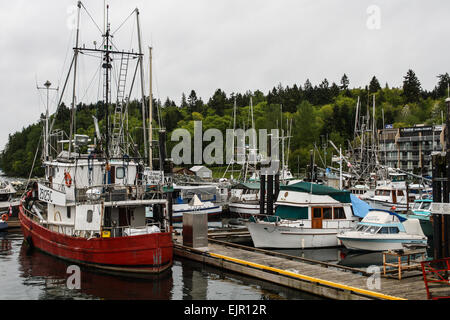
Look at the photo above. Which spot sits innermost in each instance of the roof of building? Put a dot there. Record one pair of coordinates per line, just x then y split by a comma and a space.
198, 168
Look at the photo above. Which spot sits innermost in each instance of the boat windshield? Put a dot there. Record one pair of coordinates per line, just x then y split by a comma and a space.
367, 229
426, 206
417, 205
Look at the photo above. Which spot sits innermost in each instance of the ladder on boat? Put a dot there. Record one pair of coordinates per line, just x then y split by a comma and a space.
119, 114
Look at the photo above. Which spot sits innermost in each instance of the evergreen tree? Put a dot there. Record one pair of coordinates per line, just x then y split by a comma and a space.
344, 82
441, 89
374, 85
411, 87
218, 102
309, 91
183, 101
192, 102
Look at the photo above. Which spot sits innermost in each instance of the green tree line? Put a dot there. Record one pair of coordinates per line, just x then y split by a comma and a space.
317, 111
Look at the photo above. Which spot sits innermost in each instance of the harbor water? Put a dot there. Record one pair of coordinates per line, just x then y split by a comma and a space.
28, 274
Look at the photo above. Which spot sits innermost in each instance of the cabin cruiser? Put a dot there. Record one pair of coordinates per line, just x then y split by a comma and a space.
395, 194
8, 206
420, 209
183, 200
362, 191
307, 215
382, 230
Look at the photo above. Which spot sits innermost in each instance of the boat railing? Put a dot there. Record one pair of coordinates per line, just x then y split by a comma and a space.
107, 192
257, 217
125, 231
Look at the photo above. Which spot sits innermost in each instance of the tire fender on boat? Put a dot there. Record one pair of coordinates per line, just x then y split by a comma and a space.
5, 217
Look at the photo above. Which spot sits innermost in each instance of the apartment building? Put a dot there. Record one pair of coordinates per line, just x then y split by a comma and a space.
410, 148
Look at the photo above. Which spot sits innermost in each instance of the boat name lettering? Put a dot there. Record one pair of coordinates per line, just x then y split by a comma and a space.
45, 195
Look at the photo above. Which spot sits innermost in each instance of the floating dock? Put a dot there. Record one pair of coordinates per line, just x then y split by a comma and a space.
323, 279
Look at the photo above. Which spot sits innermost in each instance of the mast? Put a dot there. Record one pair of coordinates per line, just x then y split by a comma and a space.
107, 65
141, 65
46, 153
74, 79
150, 128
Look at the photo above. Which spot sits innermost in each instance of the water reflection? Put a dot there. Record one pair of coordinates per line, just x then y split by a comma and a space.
33, 275
5, 243
37, 265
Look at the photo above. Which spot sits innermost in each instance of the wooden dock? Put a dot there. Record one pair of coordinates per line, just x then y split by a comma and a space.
315, 277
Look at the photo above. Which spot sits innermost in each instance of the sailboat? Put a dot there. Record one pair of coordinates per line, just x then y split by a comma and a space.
91, 207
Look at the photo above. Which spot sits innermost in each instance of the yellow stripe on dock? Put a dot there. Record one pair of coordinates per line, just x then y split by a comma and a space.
308, 278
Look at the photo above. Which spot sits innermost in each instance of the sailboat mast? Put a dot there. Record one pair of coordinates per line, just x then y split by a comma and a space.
141, 65
74, 79
150, 127
107, 65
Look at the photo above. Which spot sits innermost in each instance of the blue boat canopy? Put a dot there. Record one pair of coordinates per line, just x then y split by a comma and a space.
360, 208
391, 213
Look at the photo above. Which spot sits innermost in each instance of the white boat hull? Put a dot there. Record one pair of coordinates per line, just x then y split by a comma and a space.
178, 211
266, 235
386, 205
381, 244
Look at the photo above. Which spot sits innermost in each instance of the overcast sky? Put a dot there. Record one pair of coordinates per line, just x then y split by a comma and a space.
235, 45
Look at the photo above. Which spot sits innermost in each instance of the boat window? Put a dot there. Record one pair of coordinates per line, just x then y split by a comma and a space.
120, 173
384, 230
89, 216
339, 213
416, 206
393, 230
386, 193
378, 192
373, 229
400, 193
363, 228
426, 206
68, 212
317, 213
327, 213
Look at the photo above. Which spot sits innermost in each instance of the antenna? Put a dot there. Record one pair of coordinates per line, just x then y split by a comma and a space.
47, 85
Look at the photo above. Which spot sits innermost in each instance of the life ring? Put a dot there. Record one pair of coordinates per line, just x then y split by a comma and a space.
5, 217
68, 179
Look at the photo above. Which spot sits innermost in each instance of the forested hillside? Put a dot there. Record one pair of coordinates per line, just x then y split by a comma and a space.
317, 111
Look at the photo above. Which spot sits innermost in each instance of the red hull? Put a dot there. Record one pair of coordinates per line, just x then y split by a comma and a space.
150, 253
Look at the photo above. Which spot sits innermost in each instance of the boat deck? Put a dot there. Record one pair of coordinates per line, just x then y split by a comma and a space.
315, 277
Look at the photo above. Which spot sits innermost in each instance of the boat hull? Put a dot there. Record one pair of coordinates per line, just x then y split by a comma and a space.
210, 211
266, 235
386, 205
380, 244
146, 254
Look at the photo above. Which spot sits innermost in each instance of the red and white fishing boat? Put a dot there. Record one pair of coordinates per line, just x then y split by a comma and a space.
93, 207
